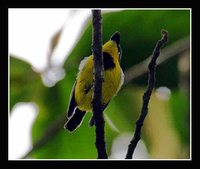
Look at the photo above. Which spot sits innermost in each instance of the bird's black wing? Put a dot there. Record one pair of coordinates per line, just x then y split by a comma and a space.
75, 120
72, 104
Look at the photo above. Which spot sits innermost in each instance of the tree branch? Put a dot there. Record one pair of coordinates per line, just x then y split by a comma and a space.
147, 94
168, 52
98, 66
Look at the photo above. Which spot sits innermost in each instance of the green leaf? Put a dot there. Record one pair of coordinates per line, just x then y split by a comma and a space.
123, 109
76, 145
180, 113
23, 81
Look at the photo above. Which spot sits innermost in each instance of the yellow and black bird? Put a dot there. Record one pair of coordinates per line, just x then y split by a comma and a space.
82, 92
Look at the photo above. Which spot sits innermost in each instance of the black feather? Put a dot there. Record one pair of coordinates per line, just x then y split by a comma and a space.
72, 103
108, 62
116, 37
75, 120
87, 88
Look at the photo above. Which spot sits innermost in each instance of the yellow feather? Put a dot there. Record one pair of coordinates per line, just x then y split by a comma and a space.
112, 79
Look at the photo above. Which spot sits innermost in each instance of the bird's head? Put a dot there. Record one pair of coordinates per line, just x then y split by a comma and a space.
116, 37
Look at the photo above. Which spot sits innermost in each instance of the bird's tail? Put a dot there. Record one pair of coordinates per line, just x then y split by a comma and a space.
75, 120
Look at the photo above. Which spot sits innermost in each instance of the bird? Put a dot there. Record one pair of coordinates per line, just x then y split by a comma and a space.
82, 92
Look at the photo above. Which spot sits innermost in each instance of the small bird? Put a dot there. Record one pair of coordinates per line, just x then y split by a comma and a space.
82, 92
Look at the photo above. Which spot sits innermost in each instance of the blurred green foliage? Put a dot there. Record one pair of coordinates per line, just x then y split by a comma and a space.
140, 30
180, 108
23, 81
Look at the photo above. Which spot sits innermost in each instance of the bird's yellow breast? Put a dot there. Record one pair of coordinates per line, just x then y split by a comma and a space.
111, 80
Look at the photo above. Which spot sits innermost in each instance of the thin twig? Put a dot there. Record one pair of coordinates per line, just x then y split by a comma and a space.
171, 50
98, 66
147, 95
